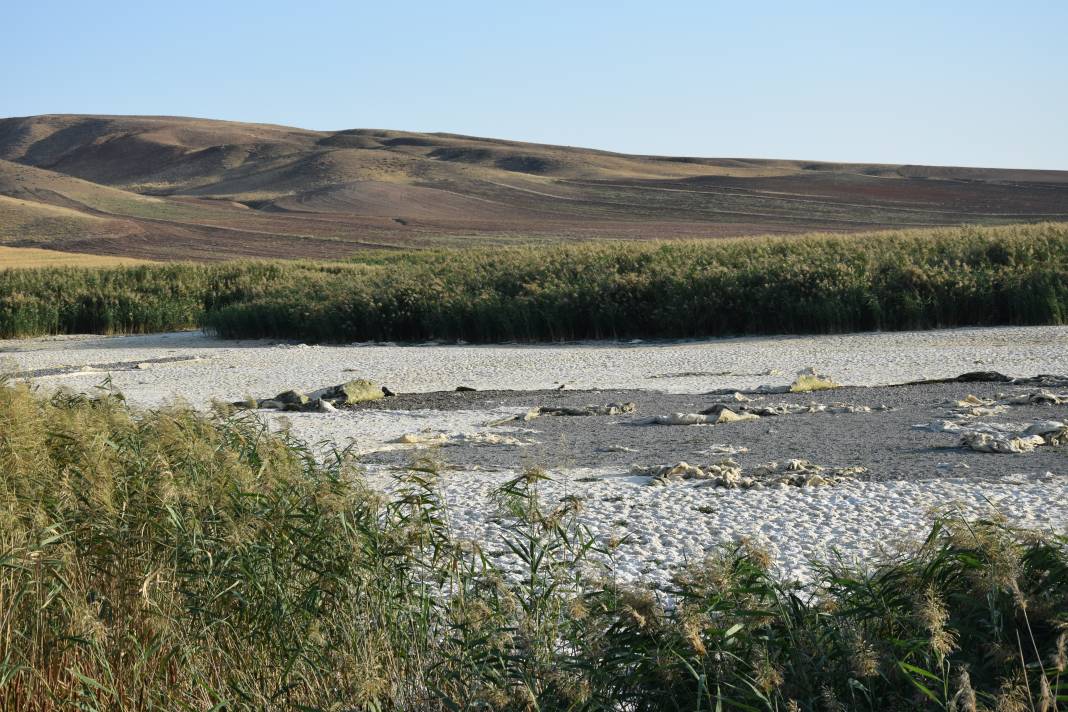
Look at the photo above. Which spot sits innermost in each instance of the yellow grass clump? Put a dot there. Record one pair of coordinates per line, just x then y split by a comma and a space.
27, 257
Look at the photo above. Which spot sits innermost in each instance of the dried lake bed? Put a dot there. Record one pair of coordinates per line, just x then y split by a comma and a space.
889, 459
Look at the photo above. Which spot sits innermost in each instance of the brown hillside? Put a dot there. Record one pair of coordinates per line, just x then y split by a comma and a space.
176, 188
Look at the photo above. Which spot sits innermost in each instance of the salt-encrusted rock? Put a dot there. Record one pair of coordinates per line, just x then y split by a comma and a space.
323, 400
1041, 397
1044, 427
725, 473
1052, 432
717, 414
487, 439
729, 416
684, 471
999, 443
972, 406
728, 474
1002, 437
358, 390
1045, 380
1057, 438
970, 401
719, 449
773, 389
735, 396
424, 438
292, 398
837, 408
678, 419
984, 412
939, 426
610, 409
970, 377
975, 407
437, 438
671, 473
777, 409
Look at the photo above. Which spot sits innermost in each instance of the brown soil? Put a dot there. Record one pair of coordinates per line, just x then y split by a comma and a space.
175, 188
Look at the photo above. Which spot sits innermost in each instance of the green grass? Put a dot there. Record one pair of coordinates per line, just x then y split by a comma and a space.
915, 279
125, 300
167, 560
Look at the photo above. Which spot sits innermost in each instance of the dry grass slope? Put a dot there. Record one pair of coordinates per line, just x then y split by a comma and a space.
176, 188
31, 257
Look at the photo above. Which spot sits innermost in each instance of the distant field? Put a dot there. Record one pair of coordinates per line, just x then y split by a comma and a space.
820, 283
27, 257
174, 189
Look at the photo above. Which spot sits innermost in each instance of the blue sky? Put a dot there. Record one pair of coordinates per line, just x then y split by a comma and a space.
959, 83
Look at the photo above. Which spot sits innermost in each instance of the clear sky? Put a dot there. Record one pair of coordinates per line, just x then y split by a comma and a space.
953, 82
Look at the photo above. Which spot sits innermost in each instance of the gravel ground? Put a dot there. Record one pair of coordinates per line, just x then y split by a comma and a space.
882, 441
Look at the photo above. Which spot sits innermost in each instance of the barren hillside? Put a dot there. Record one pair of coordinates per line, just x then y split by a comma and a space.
179, 188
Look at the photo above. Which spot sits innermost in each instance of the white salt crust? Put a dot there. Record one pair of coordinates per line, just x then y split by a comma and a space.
663, 527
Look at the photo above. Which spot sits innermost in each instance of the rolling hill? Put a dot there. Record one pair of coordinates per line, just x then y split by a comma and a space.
167, 188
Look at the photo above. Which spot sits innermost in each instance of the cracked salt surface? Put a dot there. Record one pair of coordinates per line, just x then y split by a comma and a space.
682, 524
230, 370
667, 526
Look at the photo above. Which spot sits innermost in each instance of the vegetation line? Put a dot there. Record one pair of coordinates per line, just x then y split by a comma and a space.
913, 279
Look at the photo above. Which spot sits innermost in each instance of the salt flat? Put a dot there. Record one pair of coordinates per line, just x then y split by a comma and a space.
908, 474
232, 369
662, 529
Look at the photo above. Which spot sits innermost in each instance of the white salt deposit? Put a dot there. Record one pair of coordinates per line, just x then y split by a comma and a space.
234, 369
663, 527
368, 431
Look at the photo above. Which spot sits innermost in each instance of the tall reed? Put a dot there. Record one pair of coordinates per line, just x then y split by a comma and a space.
816, 284
159, 560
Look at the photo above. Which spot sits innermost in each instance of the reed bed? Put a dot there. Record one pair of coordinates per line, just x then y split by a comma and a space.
916, 279
167, 559
819, 284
